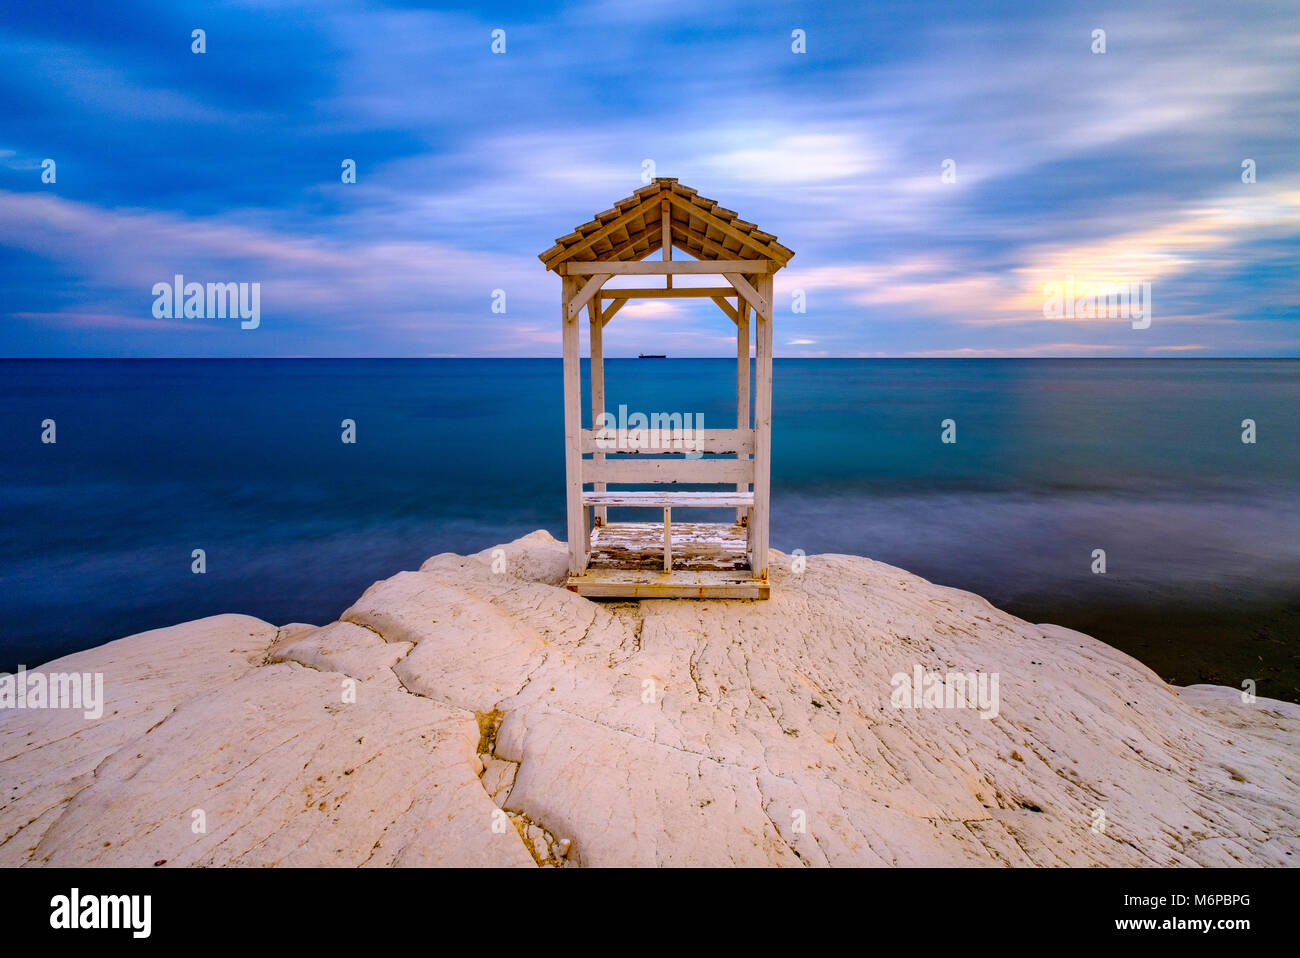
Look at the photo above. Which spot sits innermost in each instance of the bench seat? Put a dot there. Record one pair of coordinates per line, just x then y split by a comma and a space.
666, 499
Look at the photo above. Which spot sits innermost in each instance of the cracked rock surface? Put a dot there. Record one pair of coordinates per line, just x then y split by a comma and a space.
464, 716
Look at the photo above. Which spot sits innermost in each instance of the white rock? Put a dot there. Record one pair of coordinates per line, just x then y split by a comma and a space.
771, 738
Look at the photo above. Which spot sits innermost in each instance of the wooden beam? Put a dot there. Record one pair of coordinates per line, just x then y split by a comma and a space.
657, 292
742, 387
725, 307
653, 234
762, 432
614, 307
675, 267
597, 385
743, 238
682, 584
636, 499
669, 440
754, 296
620, 248
615, 253
590, 289
575, 512
587, 242
704, 471
668, 539
666, 244
715, 249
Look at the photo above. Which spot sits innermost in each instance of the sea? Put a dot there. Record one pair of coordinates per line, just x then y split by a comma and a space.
1154, 504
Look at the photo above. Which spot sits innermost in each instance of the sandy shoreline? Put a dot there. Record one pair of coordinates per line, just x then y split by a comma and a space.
461, 715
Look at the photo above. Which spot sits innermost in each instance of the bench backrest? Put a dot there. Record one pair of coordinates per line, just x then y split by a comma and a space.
623, 464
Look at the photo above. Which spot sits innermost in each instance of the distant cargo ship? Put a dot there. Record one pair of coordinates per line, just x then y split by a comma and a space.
652, 356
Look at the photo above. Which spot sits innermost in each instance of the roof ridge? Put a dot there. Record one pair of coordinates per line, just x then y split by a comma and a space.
629, 230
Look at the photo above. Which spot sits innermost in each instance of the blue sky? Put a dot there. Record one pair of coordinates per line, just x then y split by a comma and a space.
225, 167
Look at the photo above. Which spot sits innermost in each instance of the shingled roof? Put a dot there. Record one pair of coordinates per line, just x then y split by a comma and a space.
632, 229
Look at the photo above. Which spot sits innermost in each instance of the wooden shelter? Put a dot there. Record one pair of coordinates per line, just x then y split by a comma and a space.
668, 558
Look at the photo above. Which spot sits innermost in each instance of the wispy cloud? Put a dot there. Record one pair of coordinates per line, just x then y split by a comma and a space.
225, 166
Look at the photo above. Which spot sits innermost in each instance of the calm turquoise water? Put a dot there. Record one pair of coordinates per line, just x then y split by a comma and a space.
243, 459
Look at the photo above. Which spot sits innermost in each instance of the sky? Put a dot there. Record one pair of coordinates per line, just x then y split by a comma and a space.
934, 166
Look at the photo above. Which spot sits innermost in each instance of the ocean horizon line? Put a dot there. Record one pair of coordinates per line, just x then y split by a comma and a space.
910, 359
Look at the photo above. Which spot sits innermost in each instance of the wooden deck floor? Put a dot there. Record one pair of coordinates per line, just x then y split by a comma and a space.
717, 546
709, 561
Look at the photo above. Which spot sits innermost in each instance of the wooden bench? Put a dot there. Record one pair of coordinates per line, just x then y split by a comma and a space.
666, 500
664, 457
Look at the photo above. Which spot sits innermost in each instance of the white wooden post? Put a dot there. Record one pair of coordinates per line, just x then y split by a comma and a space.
597, 386
762, 429
742, 385
577, 530
668, 539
